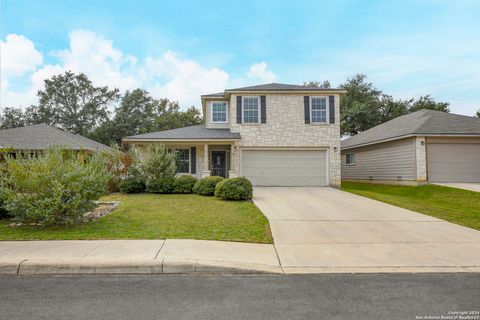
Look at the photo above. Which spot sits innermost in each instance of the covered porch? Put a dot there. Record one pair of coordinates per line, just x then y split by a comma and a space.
201, 152
205, 159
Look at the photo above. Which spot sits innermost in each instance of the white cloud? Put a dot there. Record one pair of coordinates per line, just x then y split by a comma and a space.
18, 56
186, 79
261, 72
165, 76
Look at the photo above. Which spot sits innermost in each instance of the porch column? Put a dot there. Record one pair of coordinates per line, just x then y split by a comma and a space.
232, 173
205, 172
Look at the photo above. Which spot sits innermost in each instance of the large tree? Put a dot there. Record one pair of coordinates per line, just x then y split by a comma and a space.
74, 103
139, 113
69, 101
478, 113
364, 106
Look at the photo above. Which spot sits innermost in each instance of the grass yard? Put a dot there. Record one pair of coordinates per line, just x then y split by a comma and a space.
451, 204
155, 216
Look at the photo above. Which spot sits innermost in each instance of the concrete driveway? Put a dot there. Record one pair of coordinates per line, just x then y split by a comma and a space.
325, 229
465, 185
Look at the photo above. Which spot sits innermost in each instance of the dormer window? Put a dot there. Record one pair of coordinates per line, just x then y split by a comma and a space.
219, 112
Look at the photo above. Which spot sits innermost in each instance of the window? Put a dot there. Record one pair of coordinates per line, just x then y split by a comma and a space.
318, 109
350, 158
183, 160
251, 110
219, 112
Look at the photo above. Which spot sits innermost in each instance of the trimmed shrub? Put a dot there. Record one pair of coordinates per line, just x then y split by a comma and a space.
55, 187
161, 185
206, 186
184, 184
234, 189
132, 185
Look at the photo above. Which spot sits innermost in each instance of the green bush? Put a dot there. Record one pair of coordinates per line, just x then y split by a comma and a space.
55, 187
234, 189
184, 184
3, 212
206, 186
132, 185
157, 163
161, 185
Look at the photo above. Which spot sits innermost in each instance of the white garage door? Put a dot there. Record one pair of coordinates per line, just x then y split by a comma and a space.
450, 162
285, 167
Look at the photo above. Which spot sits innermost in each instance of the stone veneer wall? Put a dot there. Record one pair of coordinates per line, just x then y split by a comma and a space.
421, 158
286, 127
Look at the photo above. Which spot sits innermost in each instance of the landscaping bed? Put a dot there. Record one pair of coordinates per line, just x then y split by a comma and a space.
160, 216
451, 204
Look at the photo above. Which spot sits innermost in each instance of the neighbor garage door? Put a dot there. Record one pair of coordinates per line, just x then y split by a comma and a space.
453, 162
285, 167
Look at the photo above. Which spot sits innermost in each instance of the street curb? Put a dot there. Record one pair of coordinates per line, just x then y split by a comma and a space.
166, 266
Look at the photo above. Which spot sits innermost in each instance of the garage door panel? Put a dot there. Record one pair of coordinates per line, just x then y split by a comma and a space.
285, 167
450, 162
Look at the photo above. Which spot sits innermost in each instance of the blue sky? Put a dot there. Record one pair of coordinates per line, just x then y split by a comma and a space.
181, 49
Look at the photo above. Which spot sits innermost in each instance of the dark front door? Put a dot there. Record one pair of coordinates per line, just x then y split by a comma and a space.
219, 164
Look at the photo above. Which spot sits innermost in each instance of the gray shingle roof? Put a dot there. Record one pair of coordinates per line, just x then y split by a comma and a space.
199, 132
42, 136
272, 87
281, 87
423, 122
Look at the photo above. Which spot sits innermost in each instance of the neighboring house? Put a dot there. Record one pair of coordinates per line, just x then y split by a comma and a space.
424, 146
39, 137
273, 134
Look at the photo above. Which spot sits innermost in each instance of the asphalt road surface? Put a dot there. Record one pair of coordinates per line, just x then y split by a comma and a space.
361, 296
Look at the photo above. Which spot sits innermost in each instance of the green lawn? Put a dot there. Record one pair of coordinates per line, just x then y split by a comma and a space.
451, 204
154, 216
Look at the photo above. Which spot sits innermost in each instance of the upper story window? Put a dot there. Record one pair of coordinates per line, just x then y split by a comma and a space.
318, 109
251, 109
350, 158
219, 112
183, 160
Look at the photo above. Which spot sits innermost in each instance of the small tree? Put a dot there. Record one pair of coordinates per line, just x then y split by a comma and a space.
157, 162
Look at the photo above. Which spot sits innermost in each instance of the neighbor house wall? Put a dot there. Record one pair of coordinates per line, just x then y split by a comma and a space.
388, 161
285, 128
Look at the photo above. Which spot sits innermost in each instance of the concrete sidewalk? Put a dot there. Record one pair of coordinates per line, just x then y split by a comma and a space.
135, 257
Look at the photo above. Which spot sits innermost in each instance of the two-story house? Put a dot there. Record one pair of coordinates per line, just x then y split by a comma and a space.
273, 134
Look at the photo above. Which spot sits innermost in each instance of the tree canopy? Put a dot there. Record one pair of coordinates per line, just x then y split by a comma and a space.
364, 106
72, 102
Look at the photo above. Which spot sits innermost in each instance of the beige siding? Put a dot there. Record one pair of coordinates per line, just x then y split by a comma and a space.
394, 160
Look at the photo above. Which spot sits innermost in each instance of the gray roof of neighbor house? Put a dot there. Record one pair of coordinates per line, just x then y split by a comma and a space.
199, 132
274, 87
423, 122
42, 136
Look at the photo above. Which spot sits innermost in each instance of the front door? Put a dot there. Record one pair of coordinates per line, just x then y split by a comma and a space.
219, 164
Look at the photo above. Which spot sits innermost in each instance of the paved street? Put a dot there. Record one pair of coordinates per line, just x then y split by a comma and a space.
328, 296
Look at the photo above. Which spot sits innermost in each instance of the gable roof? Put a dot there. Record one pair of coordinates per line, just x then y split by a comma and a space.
42, 136
273, 87
199, 132
423, 122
